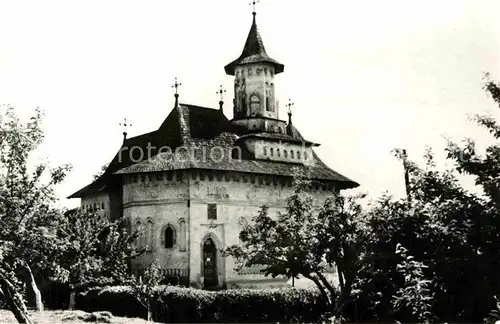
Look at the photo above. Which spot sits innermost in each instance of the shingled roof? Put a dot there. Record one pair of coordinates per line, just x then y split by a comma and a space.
254, 52
199, 130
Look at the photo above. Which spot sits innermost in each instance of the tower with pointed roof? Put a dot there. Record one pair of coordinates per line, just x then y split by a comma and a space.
193, 184
254, 104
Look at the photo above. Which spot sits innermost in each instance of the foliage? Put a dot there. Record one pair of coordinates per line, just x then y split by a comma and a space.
26, 203
415, 293
305, 240
143, 287
93, 251
183, 305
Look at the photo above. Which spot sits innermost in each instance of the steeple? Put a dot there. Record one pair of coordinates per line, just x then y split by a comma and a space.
254, 52
254, 72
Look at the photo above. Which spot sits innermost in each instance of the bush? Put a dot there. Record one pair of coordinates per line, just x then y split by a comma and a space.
182, 305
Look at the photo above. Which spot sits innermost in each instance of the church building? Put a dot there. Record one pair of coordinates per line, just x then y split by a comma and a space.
190, 186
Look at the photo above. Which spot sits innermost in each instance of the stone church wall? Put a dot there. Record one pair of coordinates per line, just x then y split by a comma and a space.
159, 201
181, 201
238, 198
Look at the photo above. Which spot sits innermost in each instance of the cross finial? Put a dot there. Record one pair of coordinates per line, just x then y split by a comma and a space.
221, 93
125, 124
176, 85
253, 3
290, 105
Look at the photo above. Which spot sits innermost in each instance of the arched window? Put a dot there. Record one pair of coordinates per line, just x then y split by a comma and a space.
298, 155
168, 237
149, 235
254, 103
285, 152
272, 151
140, 240
278, 153
291, 154
265, 150
182, 235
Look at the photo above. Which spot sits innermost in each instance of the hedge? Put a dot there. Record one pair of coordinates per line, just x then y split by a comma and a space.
182, 305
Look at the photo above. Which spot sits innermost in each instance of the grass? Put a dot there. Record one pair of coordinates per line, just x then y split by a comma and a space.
70, 317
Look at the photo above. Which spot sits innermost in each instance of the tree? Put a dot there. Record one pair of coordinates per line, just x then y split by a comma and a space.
143, 288
305, 241
93, 252
26, 199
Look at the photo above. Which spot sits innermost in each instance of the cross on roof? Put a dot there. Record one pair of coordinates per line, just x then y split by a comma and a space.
289, 105
221, 92
176, 85
253, 3
125, 124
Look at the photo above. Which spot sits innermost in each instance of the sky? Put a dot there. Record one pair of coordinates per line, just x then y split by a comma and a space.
365, 76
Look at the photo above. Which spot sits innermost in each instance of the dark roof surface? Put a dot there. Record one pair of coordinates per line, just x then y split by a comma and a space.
254, 52
194, 137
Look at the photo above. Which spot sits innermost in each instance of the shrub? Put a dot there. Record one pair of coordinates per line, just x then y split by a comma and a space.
182, 305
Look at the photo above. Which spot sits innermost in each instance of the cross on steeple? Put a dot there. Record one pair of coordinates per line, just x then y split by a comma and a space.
253, 3
221, 93
290, 105
176, 85
125, 125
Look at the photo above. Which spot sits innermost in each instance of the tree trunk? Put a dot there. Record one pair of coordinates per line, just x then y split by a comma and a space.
150, 315
30, 281
14, 301
72, 299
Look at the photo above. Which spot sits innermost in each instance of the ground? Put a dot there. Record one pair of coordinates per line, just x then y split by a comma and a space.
68, 317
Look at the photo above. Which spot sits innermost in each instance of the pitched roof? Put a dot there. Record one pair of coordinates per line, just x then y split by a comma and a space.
253, 52
194, 137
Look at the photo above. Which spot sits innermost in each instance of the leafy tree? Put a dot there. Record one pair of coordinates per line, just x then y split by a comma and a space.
26, 199
305, 241
415, 293
93, 252
143, 287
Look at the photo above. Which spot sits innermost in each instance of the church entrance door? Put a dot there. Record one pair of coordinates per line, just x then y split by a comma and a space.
210, 264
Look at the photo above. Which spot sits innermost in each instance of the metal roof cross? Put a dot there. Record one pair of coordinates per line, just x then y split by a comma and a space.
221, 92
289, 105
253, 3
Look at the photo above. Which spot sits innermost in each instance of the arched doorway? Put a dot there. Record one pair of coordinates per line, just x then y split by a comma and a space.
210, 273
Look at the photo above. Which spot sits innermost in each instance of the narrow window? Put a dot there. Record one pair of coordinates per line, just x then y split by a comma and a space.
291, 154
285, 152
102, 205
272, 151
212, 211
254, 103
298, 155
278, 152
149, 235
169, 237
265, 150
182, 235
